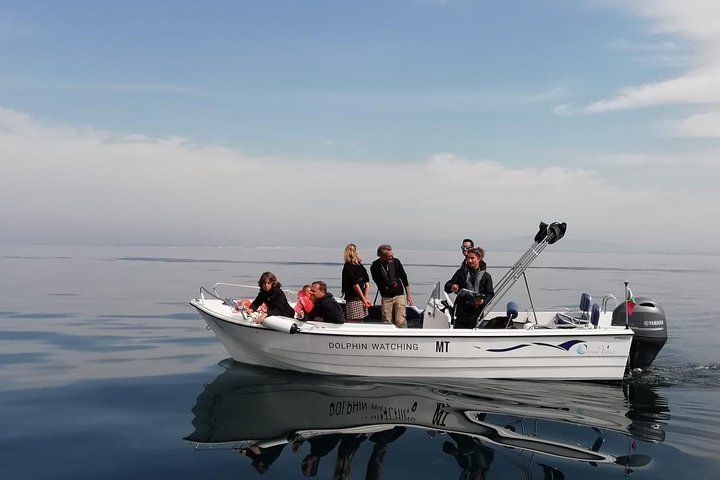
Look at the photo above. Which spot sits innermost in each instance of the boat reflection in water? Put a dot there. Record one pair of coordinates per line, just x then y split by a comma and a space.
534, 425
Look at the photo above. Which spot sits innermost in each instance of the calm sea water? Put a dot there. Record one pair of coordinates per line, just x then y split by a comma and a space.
107, 372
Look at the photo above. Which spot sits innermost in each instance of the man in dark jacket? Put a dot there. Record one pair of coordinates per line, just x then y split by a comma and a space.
392, 283
477, 285
325, 307
319, 447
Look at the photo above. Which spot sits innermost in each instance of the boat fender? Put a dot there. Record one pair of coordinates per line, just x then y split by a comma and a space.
585, 300
595, 314
281, 324
512, 310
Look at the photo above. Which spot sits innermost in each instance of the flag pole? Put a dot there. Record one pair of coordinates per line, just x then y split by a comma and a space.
627, 313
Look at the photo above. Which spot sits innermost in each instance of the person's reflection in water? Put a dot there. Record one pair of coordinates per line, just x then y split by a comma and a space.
551, 473
377, 457
262, 458
319, 447
346, 451
473, 457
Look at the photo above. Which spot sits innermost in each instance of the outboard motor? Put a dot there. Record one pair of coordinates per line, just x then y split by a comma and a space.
648, 322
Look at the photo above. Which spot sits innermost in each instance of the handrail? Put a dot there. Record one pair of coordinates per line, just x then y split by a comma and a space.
606, 299
254, 287
203, 291
226, 301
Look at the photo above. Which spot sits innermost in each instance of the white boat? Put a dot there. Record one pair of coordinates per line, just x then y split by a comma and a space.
251, 407
588, 344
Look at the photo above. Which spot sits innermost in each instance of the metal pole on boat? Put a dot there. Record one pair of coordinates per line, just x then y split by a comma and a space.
515, 272
627, 314
547, 235
532, 305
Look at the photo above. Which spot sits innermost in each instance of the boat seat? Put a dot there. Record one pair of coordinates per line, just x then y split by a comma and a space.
568, 321
494, 323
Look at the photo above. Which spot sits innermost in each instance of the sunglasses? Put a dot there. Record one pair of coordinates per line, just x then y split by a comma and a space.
463, 248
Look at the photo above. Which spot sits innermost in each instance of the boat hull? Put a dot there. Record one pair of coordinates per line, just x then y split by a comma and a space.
386, 351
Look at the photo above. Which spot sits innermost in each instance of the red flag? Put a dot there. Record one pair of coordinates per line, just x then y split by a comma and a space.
630, 301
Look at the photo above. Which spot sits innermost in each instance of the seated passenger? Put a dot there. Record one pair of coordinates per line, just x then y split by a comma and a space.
262, 457
474, 278
304, 301
272, 296
325, 307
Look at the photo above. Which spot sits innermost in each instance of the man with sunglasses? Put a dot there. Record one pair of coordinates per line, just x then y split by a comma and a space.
467, 244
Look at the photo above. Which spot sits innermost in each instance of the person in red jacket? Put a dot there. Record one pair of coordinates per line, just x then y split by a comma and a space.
304, 301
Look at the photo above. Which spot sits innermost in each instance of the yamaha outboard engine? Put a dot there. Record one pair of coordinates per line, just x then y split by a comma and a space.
648, 322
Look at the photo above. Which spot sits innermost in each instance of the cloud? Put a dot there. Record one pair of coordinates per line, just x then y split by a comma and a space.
699, 87
693, 21
644, 47
438, 100
705, 125
661, 53
565, 110
689, 163
65, 184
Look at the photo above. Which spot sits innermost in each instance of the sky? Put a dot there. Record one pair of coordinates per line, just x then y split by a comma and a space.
316, 123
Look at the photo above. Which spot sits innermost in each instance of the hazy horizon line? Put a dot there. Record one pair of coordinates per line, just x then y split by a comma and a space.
561, 248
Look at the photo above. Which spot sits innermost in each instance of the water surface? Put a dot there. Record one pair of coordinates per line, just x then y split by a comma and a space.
105, 369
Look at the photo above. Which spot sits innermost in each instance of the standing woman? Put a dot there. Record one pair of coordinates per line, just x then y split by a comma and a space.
355, 285
273, 297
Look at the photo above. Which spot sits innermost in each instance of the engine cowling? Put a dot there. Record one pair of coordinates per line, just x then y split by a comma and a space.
649, 324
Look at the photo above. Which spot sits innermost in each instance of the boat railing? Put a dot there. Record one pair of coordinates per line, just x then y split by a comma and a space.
230, 302
204, 291
606, 299
240, 285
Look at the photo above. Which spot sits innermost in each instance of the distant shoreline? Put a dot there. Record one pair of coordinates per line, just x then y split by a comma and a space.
574, 247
